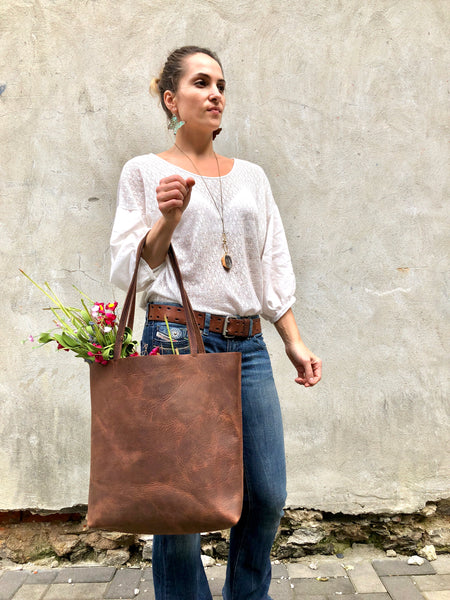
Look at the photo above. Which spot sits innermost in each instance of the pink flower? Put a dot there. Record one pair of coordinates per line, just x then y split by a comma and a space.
30, 338
154, 352
60, 347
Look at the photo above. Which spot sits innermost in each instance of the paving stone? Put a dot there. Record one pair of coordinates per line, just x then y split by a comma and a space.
385, 568
216, 572
324, 569
401, 588
31, 592
432, 582
280, 589
10, 583
147, 593
146, 590
85, 574
440, 595
356, 596
279, 571
80, 591
123, 584
147, 575
315, 597
39, 577
330, 587
442, 564
365, 579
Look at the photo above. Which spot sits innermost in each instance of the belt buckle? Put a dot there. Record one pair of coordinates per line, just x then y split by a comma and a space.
225, 327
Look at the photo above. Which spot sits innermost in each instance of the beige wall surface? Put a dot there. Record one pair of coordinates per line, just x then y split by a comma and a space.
345, 105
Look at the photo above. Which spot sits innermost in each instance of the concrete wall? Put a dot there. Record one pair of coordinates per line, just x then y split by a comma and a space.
344, 103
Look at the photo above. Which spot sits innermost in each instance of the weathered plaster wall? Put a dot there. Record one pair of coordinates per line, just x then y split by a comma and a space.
345, 104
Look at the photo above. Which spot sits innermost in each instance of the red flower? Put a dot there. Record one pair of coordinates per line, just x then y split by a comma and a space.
110, 319
98, 357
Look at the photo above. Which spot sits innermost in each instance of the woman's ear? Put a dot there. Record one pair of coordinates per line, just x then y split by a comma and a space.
169, 100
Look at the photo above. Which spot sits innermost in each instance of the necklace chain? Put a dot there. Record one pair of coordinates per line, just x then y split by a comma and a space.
226, 258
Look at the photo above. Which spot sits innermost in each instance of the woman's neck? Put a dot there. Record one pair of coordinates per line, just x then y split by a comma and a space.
197, 146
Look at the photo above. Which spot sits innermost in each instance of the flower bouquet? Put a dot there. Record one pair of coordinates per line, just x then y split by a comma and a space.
89, 332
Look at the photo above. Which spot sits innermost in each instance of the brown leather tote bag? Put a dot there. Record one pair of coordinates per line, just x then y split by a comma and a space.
166, 436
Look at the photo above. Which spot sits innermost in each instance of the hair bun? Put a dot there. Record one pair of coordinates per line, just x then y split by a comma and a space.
154, 86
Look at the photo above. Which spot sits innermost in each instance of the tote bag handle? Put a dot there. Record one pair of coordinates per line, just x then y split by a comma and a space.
127, 316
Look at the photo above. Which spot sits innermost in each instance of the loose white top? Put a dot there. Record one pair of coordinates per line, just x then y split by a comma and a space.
261, 280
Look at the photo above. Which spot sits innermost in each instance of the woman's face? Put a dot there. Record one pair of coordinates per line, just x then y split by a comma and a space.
200, 98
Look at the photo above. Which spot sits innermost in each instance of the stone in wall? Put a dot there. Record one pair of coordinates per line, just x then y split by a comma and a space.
24, 538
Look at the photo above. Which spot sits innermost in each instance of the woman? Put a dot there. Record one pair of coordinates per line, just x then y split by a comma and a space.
220, 215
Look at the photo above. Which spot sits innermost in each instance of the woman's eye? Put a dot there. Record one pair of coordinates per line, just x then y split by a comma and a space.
200, 83
221, 88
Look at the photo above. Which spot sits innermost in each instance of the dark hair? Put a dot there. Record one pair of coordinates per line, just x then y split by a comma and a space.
173, 70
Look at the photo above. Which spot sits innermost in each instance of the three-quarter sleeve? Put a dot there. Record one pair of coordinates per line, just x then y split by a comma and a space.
131, 223
278, 274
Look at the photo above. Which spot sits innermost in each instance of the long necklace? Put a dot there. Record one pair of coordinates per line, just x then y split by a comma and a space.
227, 262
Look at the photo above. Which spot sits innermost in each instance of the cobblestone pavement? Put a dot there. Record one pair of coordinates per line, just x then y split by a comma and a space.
344, 579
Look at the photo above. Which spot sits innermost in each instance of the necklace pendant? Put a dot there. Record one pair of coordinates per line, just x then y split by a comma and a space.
227, 262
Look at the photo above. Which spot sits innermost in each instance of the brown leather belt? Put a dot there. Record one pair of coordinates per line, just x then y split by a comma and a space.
227, 326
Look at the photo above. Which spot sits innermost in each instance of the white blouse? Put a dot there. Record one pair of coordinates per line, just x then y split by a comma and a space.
261, 280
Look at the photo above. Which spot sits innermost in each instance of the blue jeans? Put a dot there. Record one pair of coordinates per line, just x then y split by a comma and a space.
178, 573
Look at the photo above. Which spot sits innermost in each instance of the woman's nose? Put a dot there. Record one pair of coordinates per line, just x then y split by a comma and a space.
215, 93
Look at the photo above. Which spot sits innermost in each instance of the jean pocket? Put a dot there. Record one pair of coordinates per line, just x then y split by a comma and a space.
156, 335
259, 341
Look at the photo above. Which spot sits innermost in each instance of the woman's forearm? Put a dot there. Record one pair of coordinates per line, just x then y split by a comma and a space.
307, 364
288, 329
157, 242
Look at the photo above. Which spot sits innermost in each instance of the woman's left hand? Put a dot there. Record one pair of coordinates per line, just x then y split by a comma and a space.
307, 364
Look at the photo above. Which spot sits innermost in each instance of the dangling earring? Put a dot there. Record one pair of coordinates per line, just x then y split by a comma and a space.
216, 132
174, 124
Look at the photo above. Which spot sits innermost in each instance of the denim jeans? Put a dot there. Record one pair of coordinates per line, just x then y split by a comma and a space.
177, 568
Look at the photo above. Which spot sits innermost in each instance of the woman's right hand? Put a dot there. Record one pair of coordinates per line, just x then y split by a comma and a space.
173, 195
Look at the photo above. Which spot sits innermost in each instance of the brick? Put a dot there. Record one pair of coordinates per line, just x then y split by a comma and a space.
313, 587
123, 584
79, 591
365, 579
40, 577
401, 588
10, 583
86, 575
31, 592
429, 583
384, 568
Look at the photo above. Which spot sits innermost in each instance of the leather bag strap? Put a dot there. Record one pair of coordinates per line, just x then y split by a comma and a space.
127, 316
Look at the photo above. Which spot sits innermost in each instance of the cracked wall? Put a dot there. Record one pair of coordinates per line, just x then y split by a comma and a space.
345, 105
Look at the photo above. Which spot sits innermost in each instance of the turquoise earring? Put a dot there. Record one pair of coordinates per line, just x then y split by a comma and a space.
174, 124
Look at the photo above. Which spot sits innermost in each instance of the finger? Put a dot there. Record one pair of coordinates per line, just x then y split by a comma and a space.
171, 179
172, 186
